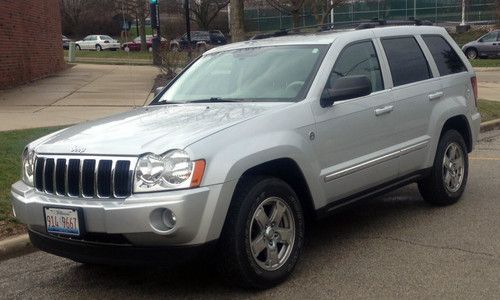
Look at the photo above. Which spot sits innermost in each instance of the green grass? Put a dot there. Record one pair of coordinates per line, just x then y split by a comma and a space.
469, 36
481, 63
112, 54
489, 110
12, 144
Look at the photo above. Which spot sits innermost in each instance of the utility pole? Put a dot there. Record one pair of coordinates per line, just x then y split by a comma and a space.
155, 25
188, 27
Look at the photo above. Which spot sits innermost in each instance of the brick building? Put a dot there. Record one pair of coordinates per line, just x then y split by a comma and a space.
30, 46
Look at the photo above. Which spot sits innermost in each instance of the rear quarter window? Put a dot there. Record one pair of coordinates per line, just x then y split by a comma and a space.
447, 60
406, 60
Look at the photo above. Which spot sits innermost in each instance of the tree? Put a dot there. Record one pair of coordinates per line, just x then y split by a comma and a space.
289, 7
139, 9
203, 12
322, 8
236, 17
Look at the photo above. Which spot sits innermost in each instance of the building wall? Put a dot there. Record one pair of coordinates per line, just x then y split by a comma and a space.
30, 43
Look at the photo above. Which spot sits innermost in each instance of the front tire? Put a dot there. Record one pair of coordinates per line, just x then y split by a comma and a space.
78, 47
471, 53
263, 234
446, 183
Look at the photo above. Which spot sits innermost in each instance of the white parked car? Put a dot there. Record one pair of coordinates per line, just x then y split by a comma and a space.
98, 43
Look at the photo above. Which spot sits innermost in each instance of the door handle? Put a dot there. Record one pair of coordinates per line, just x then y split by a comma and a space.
384, 110
436, 95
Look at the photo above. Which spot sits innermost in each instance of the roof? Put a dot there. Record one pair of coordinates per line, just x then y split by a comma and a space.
327, 37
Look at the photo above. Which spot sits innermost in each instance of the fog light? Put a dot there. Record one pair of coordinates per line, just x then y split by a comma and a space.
163, 220
168, 218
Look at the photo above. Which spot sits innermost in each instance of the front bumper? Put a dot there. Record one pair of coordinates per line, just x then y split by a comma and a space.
112, 254
133, 217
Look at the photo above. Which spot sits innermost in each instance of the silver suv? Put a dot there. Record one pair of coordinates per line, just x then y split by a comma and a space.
250, 143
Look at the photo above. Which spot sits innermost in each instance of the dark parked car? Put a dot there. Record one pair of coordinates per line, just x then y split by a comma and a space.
65, 42
203, 39
135, 45
486, 46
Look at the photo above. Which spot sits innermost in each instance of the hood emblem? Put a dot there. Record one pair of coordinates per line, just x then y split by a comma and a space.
77, 149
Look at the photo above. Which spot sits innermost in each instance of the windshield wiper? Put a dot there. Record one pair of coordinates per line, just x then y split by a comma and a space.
214, 99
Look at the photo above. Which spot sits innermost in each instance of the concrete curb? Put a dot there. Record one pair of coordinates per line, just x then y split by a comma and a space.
490, 125
21, 245
16, 246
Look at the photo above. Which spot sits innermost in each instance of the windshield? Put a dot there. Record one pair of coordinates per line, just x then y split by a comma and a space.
278, 73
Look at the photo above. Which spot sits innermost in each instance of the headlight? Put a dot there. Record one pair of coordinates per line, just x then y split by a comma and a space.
172, 170
28, 164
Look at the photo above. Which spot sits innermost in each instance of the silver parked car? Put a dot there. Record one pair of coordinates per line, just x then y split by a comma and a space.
486, 46
249, 140
98, 43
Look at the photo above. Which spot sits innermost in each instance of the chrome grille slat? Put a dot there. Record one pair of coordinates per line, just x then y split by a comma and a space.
80, 180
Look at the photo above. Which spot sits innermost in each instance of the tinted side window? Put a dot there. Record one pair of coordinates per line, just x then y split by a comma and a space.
358, 59
447, 60
406, 60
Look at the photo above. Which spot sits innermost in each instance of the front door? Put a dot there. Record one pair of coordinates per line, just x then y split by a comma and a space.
356, 146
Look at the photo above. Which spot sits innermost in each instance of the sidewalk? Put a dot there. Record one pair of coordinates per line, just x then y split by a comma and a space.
81, 93
488, 83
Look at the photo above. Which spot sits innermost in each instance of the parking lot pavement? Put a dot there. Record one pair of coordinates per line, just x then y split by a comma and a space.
488, 83
394, 246
83, 92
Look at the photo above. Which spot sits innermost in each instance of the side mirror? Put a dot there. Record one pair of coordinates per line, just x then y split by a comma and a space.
480, 40
346, 88
158, 90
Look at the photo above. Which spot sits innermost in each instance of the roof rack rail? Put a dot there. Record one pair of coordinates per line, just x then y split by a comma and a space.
373, 23
382, 23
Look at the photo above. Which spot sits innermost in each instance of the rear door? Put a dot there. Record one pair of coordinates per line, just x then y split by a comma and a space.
415, 89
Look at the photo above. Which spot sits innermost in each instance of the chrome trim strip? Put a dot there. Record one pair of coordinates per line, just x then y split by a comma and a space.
43, 175
414, 147
54, 187
66, 190
113, 167
80, 179
375, 161
96, 168
361, 166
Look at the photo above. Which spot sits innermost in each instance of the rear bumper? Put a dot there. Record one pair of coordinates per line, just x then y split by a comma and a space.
117, 254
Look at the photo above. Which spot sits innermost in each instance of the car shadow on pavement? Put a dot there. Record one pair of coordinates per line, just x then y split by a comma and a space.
328, 240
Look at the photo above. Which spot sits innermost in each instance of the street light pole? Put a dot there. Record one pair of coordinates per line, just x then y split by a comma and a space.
463, 13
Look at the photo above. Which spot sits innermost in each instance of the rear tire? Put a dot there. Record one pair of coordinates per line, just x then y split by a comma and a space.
98, 48
446, 183
263, 234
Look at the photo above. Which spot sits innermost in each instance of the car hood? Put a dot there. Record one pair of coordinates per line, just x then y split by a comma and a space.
155, 129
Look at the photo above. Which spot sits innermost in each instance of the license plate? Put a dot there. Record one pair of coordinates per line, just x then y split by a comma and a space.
62, 221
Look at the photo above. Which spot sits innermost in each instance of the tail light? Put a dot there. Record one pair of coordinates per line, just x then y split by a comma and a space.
473, 82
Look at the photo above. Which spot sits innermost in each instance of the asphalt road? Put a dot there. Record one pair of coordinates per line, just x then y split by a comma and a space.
394, 246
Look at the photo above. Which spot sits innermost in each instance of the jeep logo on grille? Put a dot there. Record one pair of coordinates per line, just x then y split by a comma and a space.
78, 149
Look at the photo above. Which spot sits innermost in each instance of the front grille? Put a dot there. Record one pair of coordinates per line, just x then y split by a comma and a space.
84, 177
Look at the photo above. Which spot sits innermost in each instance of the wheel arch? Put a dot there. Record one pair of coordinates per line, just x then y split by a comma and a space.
460, 124
289, 171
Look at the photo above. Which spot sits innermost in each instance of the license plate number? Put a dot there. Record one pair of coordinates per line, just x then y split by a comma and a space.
62, 221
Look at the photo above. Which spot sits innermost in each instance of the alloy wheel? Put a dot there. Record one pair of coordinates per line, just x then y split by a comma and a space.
272, 233
453, 167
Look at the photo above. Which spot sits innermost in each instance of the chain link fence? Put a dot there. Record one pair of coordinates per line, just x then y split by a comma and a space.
438, 11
